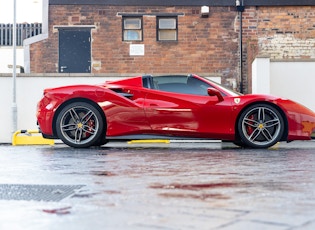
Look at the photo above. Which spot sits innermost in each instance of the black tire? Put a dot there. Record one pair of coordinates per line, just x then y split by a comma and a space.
239, 144
79, 125
260, 126
101, 141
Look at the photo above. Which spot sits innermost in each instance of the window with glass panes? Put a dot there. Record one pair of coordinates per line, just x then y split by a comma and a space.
167, 28
132, 29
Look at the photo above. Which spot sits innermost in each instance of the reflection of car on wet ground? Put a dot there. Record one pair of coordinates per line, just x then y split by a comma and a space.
174, 106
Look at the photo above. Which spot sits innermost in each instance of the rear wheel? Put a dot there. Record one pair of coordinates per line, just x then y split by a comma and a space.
260, 126
79, 125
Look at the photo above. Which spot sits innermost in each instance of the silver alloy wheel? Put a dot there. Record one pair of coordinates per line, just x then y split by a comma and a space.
79, 125
261, 126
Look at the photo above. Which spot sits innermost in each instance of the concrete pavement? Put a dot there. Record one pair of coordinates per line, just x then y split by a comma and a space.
159, 186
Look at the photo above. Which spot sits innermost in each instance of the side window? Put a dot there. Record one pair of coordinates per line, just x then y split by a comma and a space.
182, 84
167, 28
132, 29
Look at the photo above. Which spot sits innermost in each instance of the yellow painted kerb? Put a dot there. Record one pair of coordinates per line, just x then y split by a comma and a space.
30, 137
148, 141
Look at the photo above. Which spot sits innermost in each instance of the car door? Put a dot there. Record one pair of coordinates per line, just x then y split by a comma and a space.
126, 116
184, 113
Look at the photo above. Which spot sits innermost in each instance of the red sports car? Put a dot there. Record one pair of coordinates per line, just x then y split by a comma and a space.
169, 107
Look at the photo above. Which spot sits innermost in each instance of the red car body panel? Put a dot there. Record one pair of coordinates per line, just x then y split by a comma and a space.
115, 106
131, 109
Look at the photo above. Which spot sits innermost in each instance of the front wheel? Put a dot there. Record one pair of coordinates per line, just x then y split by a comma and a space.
260, 126
79, 125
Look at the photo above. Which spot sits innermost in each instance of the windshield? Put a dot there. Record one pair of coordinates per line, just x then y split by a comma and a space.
223, 88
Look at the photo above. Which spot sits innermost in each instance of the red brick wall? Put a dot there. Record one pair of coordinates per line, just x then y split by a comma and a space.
206, 46
281, 33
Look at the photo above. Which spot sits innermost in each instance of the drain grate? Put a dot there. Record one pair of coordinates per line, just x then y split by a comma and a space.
36, 192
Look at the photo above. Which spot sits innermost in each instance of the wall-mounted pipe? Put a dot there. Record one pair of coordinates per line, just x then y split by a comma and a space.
240, 8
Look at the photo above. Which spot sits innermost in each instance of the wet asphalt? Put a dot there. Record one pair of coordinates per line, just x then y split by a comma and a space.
160, 186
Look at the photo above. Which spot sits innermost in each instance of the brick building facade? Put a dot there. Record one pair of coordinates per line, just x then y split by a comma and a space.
208, 44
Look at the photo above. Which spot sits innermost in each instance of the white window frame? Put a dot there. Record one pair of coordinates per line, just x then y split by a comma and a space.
132, 29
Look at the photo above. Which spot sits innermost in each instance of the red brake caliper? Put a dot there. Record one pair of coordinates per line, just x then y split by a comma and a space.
249, 128
91, 126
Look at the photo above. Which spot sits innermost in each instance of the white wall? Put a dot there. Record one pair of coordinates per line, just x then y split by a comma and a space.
6, 58
294, 80
261, 76
29, 90
288, 79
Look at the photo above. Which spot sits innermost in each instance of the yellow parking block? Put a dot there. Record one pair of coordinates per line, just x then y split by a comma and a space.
148, 141
30, 137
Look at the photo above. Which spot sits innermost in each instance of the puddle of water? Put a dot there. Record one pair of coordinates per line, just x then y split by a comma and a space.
194, 186
202, 196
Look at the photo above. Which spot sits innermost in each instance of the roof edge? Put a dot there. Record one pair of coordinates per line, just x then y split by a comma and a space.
184, 2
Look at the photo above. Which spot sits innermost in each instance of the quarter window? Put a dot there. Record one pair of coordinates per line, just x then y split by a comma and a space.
132, 29
167, 29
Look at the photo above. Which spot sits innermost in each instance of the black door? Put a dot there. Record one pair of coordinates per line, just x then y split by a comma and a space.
74, 51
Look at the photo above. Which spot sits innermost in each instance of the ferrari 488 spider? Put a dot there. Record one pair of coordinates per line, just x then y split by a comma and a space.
169, 107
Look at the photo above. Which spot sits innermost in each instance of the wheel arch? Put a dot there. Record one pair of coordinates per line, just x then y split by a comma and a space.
64, 104
284, 117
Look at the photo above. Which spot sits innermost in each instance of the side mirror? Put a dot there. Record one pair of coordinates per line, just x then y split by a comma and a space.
214, 92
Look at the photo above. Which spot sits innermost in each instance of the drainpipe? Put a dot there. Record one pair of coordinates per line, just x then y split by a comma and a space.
240, 8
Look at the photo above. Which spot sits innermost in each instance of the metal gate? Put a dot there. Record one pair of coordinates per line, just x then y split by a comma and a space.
23, 31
